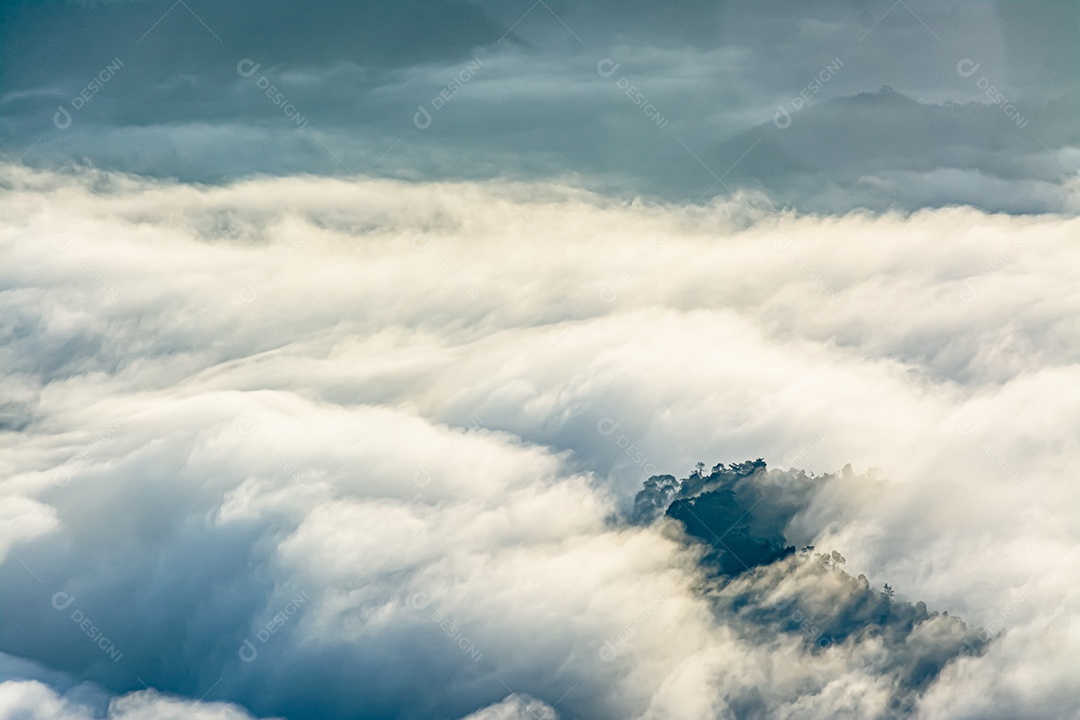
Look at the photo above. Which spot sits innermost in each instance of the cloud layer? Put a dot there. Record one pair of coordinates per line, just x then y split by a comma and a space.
305, 447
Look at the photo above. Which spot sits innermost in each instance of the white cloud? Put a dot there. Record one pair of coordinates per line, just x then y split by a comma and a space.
32, 700
363, 428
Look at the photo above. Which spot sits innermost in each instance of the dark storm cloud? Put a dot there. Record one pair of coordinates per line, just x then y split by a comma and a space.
632, 98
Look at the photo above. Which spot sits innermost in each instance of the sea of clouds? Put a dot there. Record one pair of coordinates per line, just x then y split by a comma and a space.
304, 447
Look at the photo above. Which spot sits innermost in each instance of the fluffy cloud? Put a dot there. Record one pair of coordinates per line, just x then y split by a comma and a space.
324, 449
36, 701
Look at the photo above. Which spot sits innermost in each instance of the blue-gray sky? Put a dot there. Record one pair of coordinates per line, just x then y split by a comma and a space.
982, 111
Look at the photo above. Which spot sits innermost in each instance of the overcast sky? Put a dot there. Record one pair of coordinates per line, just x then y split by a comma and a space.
337, 339
675, 100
